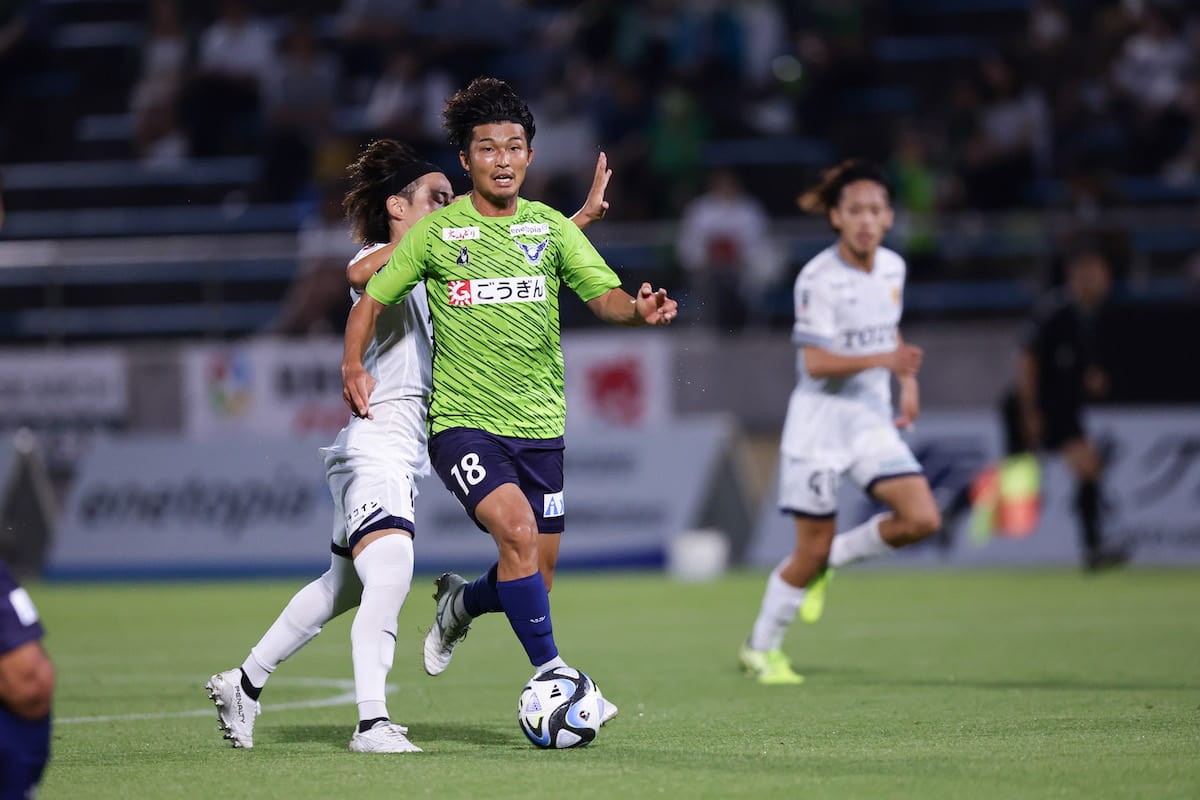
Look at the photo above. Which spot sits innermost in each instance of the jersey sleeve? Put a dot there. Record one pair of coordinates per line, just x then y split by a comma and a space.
404, 270
814, 324
584, 269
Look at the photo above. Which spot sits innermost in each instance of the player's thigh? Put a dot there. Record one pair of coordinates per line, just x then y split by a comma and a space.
474, 464
539, 464
506, 514
370, 494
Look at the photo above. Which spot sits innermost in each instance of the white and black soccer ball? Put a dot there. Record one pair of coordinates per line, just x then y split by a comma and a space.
559, 708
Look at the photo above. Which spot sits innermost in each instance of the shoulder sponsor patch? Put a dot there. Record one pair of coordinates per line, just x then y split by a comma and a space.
487, 291
460, 234
22, 604
529, 229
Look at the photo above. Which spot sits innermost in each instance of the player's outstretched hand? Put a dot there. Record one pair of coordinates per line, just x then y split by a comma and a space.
357, 385
595, 206
654, 307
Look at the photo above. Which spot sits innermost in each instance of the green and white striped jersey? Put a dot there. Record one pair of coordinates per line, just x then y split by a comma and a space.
493, 284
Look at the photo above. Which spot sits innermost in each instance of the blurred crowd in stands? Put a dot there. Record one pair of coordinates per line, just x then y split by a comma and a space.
1073, 105
983, 109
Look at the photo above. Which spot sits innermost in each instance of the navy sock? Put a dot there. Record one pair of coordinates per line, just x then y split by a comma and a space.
527, 606
480, 595
24, 750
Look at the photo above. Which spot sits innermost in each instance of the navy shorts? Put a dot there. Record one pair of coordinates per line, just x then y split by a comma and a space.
473, 463
18, 618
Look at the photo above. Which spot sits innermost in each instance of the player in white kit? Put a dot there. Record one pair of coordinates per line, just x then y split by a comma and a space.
840, 421
372, 467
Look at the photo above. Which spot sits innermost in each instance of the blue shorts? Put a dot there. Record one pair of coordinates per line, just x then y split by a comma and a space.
18, 618
473, 463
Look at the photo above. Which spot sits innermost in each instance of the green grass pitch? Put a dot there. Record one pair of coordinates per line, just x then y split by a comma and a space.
924, 685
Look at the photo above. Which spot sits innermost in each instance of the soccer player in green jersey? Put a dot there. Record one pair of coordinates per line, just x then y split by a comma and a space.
492, 263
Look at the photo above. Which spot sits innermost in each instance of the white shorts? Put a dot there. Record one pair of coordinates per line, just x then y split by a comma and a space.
372, 469
826, 437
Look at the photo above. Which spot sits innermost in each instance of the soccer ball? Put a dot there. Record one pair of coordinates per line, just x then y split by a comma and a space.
559, 708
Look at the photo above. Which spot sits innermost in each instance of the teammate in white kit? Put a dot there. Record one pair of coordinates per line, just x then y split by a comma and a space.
372, 467
839, 421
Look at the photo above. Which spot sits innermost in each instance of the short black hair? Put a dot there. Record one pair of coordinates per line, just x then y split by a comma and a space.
485, 100
821, 198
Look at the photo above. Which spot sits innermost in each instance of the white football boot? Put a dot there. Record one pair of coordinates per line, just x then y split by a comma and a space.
384, 737
448, 628
235, 710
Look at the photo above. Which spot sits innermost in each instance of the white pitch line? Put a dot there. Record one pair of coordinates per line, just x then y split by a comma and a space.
346, 697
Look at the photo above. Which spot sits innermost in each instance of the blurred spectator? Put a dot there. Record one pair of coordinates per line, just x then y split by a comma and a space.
564, 133
679, 130
299, 93
318, 299
406, 101
158, 137
222, 102
724, 246
1148, 77
914, 184
367, 31
1010, 144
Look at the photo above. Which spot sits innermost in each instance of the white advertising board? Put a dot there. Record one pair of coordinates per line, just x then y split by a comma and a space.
294, 387
236, 505
64, 397
1151, 493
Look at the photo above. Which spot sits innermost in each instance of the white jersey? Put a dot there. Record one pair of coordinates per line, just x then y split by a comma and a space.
849, 312
393, 443
400, 355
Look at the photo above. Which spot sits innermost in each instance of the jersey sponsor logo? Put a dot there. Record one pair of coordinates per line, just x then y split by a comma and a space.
464, 255
460, 234
873, 336
896, 295
488, 291
357, 516
22, 604
529, 229
552, 505
533, 252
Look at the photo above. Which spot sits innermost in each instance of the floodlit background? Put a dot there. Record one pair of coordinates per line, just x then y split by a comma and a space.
172, 254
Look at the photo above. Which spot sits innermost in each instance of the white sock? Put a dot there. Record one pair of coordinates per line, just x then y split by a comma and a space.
780, 603
385, 567
553, 663
859, 543
302, 619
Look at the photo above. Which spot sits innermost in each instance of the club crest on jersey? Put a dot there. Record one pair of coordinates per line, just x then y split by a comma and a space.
489, 291
464, 255
529, 229
533, 252
460, 234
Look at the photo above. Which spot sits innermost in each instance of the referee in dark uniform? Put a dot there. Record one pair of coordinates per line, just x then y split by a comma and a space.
1068, 346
